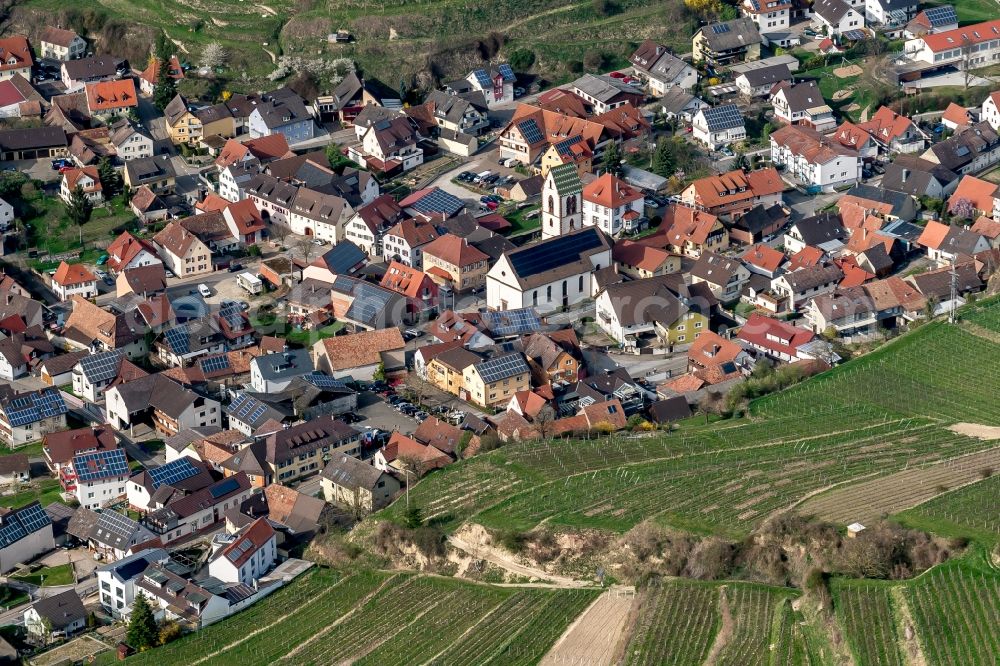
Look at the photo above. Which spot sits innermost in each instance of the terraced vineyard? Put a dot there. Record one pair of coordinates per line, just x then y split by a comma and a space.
379, 618
677, 623
972, 511
686, 622
957, 611
865, 612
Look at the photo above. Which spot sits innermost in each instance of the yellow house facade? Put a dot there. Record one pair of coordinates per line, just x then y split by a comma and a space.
493, 383
685, 330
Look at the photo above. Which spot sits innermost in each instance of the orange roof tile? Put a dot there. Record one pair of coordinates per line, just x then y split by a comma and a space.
806, 257
111, 95
73, 177
980, 193
969, 35
15, 53
455, 251
984, 226
736, 186
957, 115
610, 192
765, 257
643, 257
70, 274
933, 235
405, 280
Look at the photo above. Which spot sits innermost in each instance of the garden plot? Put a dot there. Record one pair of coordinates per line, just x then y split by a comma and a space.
677, 624
865, 611
971, 511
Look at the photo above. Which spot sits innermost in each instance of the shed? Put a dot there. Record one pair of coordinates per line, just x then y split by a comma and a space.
854, 529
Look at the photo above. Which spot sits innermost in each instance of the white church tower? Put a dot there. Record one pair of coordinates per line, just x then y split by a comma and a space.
562, 202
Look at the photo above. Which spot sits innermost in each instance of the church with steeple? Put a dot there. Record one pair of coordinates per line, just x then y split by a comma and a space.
562, 204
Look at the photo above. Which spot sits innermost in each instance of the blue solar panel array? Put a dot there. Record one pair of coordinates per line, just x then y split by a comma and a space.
100, 465
723, 117
550, 254
172, 472
35, 406
506, 72
530, 131
502, 367
939, 16
232, 314
22, 522
179, 339
101, 367
319, 380
438, 201
512, 322
212, 364
720, 28
224, 487
483, 78
369, 302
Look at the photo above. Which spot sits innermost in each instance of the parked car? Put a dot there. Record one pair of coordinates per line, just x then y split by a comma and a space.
233, 267
421, 415
204, 290
518, 91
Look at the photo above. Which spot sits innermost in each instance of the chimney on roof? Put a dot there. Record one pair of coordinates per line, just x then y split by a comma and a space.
906, 173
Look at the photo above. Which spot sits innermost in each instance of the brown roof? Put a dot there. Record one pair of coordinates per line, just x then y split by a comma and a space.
455, 251
146, 279
736, 186
359, 349
176, 239
414, 232
435, 432
61, 447
404, 279
809, 144
58, 36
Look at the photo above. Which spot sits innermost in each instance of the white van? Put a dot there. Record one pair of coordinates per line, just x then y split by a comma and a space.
204, 290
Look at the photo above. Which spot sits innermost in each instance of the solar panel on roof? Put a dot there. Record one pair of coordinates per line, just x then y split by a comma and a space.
438, 201
172, 472
215, 363
506, 72
117, 528
512, 322
854, 35
224, 488
33, 407
178, 339
501, 367
319, 380
483, 78
369, 302
941, 15
720, 28
100, 465
553, 253
530, 130
723, 117
257, 413
233, 315
22, 522
102, 366
33, 517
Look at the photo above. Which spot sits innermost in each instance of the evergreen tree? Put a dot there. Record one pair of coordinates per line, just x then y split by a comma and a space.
79, 209
663, 159
165, 88
612, 159
142, 631
111, 180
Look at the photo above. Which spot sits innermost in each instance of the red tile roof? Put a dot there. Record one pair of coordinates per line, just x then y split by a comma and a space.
405, 280
887, 125
152, 73
980, 193
774, 335
641, 256
125, 248
610, 192
455, 251
15, 53
764, 257
957, 115
984, 226
111, 95
967, 36
73, 177
933, 235
806, 257
245, 216
71, 274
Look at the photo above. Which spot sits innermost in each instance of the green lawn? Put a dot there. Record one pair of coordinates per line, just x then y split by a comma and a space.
306, 338
45, 491
52, 231
519, 220
31, 450
970, 11
49, 576
10, 597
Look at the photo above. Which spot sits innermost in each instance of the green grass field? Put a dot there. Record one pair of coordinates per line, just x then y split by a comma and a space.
378, 618
45, 491
50, 576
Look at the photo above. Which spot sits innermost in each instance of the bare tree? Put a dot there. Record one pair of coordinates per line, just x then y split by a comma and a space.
305, 249
710, 403
543, 422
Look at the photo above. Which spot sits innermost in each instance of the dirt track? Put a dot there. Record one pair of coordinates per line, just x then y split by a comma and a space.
594, 637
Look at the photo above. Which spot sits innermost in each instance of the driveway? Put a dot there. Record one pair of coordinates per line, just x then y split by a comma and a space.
378, 414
